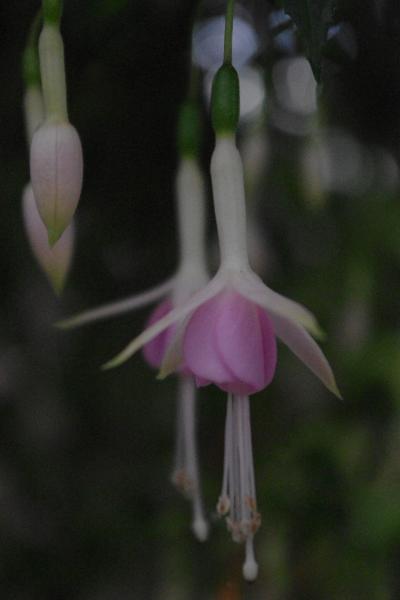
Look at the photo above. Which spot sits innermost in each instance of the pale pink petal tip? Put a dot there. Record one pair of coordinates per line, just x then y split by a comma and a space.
56, 165
230, 341
54, 261
154, 350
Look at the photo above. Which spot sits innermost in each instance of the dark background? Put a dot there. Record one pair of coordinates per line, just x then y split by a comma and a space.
86, 508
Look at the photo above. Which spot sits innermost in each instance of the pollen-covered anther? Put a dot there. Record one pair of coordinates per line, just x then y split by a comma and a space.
235, 528
223, 506
183, 483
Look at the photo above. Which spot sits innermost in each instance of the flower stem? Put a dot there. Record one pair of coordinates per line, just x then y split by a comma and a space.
30, 58
228, 31
52, 10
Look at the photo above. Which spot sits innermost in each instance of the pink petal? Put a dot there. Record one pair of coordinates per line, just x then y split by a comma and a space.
239, 339
201, 382
154, 350
230, 341
201, 353
306, 349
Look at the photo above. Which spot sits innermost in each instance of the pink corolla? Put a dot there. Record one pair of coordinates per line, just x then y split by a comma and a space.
230, 341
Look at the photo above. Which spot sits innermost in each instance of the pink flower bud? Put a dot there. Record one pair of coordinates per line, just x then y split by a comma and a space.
230, 341
56, 174
54, 261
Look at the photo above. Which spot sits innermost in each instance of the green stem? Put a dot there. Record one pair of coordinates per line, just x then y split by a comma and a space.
230, 9
52, 10
30, 57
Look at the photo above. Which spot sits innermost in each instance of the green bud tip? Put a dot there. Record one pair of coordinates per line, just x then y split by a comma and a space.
225, 100
53, 236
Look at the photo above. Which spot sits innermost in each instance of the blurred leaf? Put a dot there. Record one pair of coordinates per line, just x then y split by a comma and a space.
312, 18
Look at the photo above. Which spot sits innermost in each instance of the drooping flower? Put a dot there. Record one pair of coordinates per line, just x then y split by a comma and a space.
56, 161
191, 276
225, 334
292, 322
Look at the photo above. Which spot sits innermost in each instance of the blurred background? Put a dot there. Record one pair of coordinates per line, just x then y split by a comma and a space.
87, 511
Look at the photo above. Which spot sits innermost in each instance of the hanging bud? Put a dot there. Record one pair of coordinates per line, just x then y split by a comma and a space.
54, 261
56, 153
56, 175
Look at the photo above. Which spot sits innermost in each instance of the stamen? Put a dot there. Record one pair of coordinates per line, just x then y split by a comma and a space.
237, 501
186, 472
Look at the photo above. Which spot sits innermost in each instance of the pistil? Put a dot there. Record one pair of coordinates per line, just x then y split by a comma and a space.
185, 475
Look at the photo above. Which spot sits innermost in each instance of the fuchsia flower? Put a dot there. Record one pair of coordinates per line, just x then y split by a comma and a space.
234, 283
190, 277
226, 334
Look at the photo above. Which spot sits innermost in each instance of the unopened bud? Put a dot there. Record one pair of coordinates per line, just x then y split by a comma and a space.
54, 261
56, 173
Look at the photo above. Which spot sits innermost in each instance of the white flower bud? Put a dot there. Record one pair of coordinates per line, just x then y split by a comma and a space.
56, 173
54, 261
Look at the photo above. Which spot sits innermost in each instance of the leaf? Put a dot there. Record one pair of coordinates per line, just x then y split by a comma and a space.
312, 18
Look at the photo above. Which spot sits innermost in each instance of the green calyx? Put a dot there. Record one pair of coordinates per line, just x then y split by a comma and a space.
52, 10
225, 100
189, 130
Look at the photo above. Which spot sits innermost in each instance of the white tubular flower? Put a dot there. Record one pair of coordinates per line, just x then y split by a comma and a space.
56, 153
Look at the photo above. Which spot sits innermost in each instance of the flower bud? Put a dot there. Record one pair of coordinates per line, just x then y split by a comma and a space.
56, 173
54, 261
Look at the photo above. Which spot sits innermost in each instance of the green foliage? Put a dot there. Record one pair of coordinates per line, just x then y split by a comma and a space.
312, 18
